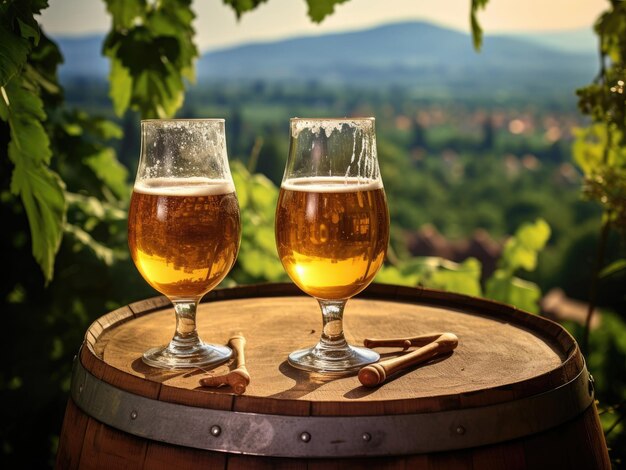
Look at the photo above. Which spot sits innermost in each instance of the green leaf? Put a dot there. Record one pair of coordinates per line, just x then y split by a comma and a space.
240, 177
103, 253
41, 190
29, 29
242, 6
521, 250
42, 193
14, 41
463, 278
320, 9
613, 268
516, 256
263, 193
611, 28
110, 171
121, 86
94, 207
151, 58
594, 152
126, 13
107, 130
25, 113
392, 275
477, 32
535, 235
513, 291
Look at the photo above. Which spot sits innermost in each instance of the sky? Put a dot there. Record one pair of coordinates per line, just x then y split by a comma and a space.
217, 27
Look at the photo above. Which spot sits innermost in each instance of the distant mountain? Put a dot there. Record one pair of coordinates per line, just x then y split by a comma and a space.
413, 53
575, 40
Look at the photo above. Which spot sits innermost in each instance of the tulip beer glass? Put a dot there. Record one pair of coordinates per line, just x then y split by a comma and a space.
183, 227
332, 228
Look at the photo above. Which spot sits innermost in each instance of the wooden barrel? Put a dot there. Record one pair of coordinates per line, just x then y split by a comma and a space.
514, 394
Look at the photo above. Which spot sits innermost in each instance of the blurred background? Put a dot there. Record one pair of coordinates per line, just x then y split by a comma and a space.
502, 180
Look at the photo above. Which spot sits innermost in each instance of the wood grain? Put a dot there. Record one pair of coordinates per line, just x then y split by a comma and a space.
503, 354
490, 354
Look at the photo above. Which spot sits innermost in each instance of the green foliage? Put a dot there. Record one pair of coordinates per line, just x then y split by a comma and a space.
463, 278
152, 51
477, 32
435, 273
600, 150
614, 268
84, 157
19, 31
242, 6
607, 362
22, 106
520, 252
317, 9
320, 9
258, 260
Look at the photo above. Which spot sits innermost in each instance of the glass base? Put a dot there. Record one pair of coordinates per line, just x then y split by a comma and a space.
203, 355
344, 361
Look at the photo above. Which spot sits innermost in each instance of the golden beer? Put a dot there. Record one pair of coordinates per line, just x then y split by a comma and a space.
332, 234
183, 233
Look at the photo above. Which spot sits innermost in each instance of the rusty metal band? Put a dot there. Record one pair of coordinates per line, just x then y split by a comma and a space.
341, 436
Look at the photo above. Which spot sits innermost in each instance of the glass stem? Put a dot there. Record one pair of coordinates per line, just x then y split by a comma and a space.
186, 338
332, 318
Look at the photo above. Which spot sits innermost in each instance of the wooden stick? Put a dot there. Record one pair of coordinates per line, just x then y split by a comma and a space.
238, 378
404, 343
375, 374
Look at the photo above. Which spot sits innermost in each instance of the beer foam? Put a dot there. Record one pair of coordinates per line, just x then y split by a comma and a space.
184, 186
316, 126
331, 184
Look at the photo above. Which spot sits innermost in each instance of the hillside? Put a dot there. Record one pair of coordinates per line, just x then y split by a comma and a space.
416, 54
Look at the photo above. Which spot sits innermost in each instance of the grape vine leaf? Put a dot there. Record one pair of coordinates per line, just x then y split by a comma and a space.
320, 9
13, 53
14, 46
392, 275
152, 52
121, 84
521, 250
109, 170
257, 197
41, 190
514, 291
463, 278
125, 13
477, 31
242, 6
83, 238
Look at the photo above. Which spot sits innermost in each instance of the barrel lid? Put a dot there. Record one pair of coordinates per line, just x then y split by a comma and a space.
504, 354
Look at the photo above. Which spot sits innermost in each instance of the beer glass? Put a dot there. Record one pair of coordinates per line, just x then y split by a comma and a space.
183, 227
332, 228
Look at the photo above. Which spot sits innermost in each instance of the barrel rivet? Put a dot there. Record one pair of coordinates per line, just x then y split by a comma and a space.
215, 430
133, 414
591, 385
305, 437
460, 430
367, 436
80, 388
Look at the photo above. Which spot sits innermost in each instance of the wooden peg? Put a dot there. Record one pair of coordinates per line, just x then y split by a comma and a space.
238, 378
375, 374
404, 343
